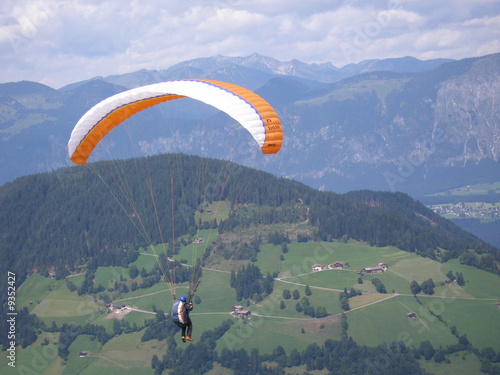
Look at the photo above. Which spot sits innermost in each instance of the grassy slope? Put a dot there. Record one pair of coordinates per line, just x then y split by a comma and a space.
367, 326
51, 300
125, 354
373, 318
37, 358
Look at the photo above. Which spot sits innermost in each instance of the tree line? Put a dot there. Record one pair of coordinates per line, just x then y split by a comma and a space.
250, 284
338, 357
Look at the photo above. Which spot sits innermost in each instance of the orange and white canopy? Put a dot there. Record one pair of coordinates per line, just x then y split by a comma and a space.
246, 107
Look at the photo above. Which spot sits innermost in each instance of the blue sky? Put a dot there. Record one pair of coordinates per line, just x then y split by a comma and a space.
57, 42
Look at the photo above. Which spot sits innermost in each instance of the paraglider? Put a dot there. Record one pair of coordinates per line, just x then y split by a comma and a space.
180, 317
250, 110
246, 107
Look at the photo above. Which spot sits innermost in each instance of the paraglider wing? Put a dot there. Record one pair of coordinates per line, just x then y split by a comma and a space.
246, 107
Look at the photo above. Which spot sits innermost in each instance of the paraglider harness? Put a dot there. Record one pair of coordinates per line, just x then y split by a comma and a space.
180, 314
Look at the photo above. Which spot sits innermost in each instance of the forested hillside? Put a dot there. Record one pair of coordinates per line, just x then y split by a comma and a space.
60, 220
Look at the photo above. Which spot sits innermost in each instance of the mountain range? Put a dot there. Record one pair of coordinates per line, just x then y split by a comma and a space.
394, 124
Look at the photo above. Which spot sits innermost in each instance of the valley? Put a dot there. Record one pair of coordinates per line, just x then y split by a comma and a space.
475, 208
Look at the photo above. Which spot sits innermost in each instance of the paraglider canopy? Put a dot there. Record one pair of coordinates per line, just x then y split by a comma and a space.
246, 107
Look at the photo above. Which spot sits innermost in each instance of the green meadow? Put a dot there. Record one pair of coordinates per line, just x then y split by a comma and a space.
373, 318
211, 215
302, 255
195, 250
82, 343
387, 321
417, 268
215, 293
478, 284
35, 289
215, 211
124, 354
478, 319
106, 276
36, 358
267, 334
51, 300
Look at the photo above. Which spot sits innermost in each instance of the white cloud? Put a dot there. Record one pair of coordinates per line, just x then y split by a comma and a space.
493, 22
58, 42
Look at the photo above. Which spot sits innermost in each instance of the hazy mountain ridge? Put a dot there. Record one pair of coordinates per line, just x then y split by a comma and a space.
404, 126
402, 129
463, 109
263, 68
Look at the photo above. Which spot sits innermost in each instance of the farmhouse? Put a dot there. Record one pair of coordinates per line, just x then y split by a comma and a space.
318, 267
83, 354
380, 268
411, 315
242, 313
238, 312
373, 270
115, 307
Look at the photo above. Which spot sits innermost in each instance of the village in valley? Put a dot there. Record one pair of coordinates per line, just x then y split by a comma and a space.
475, 202
469, 210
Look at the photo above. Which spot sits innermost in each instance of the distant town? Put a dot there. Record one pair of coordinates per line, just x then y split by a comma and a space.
486, 212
